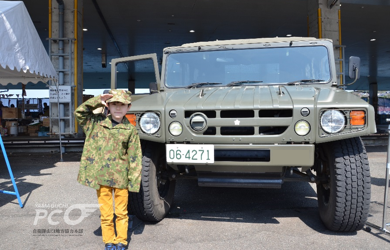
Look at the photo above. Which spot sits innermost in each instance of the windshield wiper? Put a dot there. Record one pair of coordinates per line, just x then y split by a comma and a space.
236, 83
199, 84
304, 81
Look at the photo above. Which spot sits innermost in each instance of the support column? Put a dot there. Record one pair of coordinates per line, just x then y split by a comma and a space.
373, 99
373, 79
131, 77
324, 22
65, 21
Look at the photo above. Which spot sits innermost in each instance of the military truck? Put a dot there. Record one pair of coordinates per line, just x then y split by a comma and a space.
253, 113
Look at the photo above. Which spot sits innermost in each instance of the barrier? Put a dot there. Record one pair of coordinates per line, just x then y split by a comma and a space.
16, 192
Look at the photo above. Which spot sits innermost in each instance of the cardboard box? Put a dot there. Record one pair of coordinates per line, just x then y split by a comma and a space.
41, 117
46, 122
10, 113
33, 129
9, 124
33, 134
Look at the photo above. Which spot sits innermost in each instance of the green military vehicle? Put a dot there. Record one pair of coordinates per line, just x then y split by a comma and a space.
253, 113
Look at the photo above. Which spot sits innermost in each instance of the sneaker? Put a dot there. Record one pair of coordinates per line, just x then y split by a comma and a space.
121, 246
110, 246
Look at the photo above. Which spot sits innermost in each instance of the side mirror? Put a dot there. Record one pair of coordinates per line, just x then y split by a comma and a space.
354, 67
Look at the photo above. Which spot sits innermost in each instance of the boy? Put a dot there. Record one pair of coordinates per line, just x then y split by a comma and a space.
111, 161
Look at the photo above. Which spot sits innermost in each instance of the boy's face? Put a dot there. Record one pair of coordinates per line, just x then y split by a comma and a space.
118, 110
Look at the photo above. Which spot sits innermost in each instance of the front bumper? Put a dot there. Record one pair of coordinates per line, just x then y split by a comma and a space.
237, 158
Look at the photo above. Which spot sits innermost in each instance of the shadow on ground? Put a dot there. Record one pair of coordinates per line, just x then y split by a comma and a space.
27, 164
243, 205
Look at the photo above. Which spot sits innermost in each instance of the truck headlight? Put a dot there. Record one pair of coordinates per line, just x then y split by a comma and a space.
332, 121
302, 128
149, 123
175, 128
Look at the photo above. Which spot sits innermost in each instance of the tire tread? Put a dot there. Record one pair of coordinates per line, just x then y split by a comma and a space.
141, 204
352, 186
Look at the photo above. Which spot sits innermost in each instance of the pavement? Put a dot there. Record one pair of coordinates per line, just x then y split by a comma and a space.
59, 213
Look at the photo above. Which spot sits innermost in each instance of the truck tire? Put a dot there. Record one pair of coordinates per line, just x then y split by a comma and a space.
155, 197
344, 190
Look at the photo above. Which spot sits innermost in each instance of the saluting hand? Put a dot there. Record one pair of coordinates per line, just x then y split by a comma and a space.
104, 98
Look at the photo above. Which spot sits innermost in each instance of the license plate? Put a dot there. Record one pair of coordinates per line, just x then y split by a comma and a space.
190, 153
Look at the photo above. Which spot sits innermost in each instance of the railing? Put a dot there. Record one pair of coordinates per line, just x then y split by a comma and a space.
43, 144
384, 224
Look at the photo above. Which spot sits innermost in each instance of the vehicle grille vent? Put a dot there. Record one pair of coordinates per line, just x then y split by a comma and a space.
275, 113
208, 113
247, 122
272, 130
210, 131
237, 114
237, 130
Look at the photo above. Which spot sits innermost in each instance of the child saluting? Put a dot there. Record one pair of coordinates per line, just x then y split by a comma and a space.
111, 161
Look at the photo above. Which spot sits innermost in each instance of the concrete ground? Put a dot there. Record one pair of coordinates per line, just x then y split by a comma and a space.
201, 218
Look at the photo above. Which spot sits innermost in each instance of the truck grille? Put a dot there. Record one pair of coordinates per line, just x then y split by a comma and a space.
243, 113
226, 127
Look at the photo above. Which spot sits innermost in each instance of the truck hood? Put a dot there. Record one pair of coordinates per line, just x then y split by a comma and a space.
242, 97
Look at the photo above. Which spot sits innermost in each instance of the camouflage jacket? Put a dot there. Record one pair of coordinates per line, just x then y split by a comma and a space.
111, 155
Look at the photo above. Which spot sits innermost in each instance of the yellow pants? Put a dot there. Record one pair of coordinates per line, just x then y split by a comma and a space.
107, 217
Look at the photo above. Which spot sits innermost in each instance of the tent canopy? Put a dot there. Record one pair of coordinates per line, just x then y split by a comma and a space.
23, 58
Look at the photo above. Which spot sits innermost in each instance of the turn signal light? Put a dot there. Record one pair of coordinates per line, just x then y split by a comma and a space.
358, 118
132, 119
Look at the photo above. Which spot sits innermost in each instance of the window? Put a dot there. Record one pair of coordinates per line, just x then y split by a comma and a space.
266, 65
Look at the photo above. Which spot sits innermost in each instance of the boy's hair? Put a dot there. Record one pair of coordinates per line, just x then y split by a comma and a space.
123, 96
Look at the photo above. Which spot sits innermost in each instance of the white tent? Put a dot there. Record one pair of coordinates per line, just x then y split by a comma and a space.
23, 57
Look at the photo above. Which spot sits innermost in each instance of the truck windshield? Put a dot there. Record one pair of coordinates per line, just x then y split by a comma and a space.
248, 66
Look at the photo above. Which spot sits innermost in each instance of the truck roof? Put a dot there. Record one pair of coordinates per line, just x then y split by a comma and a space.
249, 41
